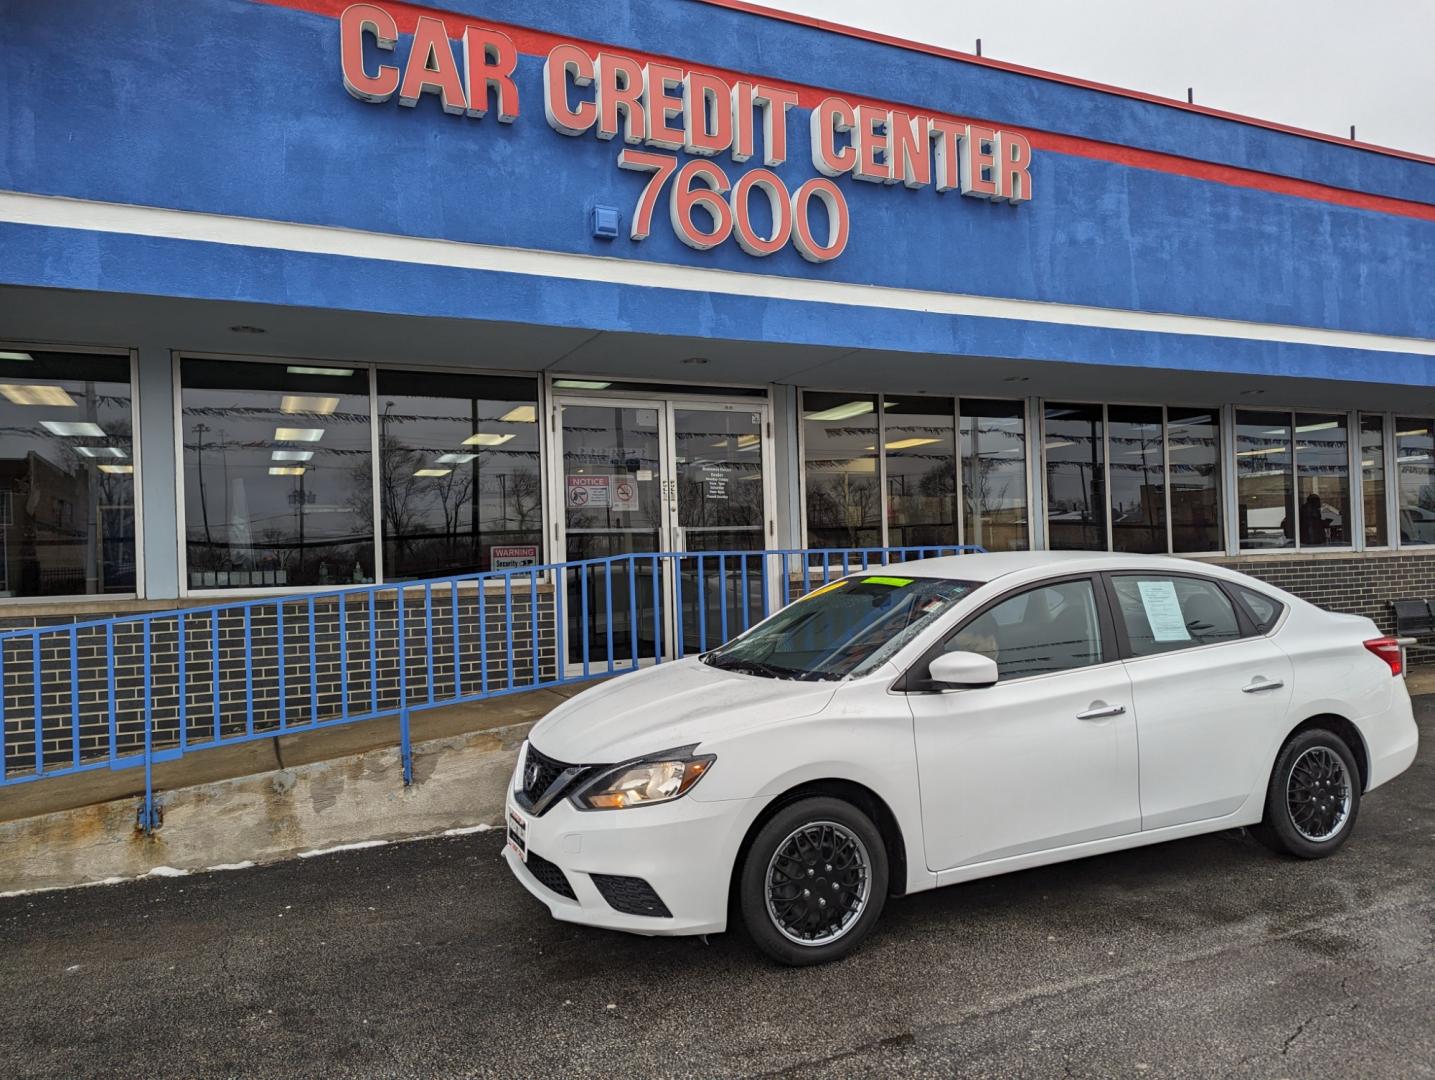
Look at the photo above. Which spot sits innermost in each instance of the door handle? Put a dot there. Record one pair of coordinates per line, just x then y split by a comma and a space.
1262, 684
1101, 712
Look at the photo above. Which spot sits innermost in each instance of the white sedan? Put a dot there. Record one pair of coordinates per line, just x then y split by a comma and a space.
938, 721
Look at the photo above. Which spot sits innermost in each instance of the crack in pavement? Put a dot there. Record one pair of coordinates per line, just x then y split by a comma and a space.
1301, 1028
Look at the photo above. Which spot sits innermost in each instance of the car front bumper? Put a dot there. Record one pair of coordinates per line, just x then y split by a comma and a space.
684, 850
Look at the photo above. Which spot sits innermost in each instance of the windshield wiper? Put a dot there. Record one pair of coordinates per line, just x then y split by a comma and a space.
764, 670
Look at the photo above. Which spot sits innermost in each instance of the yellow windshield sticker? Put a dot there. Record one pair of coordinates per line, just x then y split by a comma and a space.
894, 582
826, 588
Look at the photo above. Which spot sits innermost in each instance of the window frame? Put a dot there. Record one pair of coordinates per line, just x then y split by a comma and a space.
916, 678
1224, 496
959, 468
1354, 476
1243, 617
371, 369
132, 354
1392, 484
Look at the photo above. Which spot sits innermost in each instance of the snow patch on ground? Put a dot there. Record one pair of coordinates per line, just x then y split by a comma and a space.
58, 888
247, 864
467, 830
342, 847
168, 871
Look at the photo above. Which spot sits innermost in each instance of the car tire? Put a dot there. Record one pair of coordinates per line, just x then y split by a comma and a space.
813, 882
1313, 797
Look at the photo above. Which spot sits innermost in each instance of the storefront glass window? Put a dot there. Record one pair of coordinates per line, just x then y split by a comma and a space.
459, 479
1415, 473
67, 503
1372, 477
994, 475
1075, 477
1263, 479
277, 474
844, 496
1138, 478
1322, 458
1193, 449
920, 446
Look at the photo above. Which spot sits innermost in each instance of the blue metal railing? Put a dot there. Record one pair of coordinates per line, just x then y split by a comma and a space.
136, 690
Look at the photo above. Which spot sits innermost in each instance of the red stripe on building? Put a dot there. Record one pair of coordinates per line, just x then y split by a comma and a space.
539, 43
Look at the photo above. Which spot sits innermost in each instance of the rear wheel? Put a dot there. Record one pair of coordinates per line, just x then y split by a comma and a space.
814, 881
1313, 798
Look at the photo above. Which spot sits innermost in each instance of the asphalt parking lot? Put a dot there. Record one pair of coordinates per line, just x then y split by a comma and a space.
1203, 957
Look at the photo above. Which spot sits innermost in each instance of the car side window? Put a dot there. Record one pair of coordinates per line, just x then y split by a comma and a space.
1264, 611
1165, 613
1047, 629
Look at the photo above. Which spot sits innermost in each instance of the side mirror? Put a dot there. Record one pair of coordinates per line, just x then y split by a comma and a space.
963, 669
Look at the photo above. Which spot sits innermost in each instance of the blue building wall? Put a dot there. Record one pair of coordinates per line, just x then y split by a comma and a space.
236, 107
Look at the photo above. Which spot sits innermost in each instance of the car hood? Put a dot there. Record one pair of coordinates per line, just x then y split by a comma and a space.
670, 705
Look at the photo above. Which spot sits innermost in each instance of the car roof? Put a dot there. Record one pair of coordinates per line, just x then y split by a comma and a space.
988, 566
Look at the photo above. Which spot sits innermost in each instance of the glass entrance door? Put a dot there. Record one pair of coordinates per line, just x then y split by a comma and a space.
643, 476
721, 507
613, 482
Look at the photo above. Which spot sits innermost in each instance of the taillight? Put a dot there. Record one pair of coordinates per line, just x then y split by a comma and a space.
1389, 650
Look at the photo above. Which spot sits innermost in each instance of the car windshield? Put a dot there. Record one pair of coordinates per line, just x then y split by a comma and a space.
848, 627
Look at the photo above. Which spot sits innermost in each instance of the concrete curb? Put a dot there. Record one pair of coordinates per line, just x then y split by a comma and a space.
459, 781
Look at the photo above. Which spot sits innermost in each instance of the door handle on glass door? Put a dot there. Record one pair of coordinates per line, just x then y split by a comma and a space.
1262, 684
1100, 712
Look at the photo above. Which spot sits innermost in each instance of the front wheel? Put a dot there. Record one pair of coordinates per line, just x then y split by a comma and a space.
814, 881
1313, 798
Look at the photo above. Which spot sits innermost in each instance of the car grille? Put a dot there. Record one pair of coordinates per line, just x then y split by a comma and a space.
540, 775
631, 896
547, 771
550, 876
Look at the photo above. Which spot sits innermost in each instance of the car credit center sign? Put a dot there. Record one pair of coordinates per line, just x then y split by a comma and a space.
656, 106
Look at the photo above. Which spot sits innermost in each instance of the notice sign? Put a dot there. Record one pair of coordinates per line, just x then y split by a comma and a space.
623, 494
587, 491
715, 483
1163, 611
512, 556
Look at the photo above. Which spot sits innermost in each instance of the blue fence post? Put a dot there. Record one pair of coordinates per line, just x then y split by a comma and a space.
147, 811
702, 591
657, 613
279, 665
343, 654
182, 644
680, 639
533, 621
457, 653
406, 750
39, 704
213, 669
632, 577
74, 698
482, 635
2, 712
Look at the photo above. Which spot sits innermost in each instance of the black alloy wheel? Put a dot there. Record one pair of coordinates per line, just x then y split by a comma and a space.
1313, 797
814, 881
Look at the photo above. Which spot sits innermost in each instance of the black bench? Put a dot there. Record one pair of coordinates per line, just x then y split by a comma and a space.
1414, 618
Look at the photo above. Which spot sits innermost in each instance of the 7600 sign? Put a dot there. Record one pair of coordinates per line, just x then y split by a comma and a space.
703, 184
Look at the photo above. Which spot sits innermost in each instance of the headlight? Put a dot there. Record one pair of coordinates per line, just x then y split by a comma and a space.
660, 779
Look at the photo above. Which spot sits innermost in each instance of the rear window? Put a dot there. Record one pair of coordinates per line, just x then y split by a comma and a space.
1264, 611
